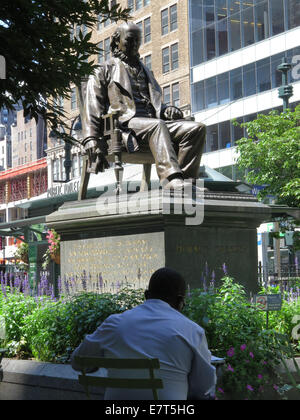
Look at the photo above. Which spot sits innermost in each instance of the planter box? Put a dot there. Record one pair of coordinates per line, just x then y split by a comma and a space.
31, 380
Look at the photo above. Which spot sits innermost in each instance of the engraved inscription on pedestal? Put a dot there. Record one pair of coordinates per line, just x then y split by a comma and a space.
109, 263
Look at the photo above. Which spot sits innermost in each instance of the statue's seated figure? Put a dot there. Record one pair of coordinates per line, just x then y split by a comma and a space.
125, 86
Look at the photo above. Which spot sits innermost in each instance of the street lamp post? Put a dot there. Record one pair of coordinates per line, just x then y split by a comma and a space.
285, 92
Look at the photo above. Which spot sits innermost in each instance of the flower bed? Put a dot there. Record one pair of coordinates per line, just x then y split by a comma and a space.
49, 329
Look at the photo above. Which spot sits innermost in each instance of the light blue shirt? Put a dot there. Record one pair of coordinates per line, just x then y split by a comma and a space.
155, 330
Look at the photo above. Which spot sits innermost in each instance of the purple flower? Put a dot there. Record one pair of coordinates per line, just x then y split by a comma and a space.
221, 390
251, 355
230, 368
224, 267
230, 352
243, 347
259, 376
249, 387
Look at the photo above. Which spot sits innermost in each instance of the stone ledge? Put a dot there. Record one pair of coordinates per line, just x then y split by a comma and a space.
31, 380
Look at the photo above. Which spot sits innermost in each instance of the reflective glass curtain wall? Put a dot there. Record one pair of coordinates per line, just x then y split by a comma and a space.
221, 26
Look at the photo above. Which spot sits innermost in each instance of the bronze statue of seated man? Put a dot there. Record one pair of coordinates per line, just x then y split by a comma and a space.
125, 86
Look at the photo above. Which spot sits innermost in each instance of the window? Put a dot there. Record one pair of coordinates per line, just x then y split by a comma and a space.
293, 14
148, 62
131, 4
224, 135
138, 4
147, 30
174, 57
263, 75
171, 95
277, 17
101, 53
235, 25
165, 22
166, 60
107, 49
211, 92
248, 22
223, 88
198, 96
73, 99
249, 79
169, 19
173, 18
175, 95
236, 84
261, 13
167, 95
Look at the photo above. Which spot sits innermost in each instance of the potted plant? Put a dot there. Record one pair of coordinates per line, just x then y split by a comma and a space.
53, 251
21, 256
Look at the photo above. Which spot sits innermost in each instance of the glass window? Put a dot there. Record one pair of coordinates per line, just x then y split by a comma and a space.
140, 25
130, 4
101, 53
138, 4
293, 14
198, 96
236, 85
275, 74
174, 56
224, 135
175, 94
173, 17
148, 62
263, 75
261, 14
212, 138
223, 88
147, 30
107, 49
222, 27
197, 47
146, 2
235, 25
249, 79
248, 22
237, 131
166, 60
164, 22
167, 95
210, 31
211, 92
197, 21
277, 17
73, 99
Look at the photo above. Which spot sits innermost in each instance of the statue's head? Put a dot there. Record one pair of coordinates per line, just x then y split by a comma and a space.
127, 39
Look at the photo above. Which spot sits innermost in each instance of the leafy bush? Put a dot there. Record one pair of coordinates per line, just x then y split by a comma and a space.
50, 330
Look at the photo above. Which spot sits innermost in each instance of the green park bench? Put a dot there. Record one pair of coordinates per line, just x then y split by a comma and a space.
87, 363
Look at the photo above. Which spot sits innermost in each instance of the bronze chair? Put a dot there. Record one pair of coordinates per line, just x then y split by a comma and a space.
127, 383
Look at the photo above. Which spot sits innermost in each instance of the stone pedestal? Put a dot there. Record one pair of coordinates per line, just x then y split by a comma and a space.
111, 242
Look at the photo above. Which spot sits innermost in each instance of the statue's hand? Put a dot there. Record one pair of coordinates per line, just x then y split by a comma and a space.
97, 160
173, 113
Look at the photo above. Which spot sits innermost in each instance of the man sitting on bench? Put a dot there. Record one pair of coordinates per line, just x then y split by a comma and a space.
157, 329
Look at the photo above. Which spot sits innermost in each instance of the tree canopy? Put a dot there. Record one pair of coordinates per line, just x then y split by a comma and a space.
271, 155
46, 44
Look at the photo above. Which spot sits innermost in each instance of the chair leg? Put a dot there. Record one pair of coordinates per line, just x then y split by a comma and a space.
84, 181
119, 171
146, 179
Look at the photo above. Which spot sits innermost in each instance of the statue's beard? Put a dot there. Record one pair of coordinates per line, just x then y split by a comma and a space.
134, 59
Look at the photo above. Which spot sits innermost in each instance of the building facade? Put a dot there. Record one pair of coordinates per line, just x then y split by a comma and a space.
28, 140
236, 47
